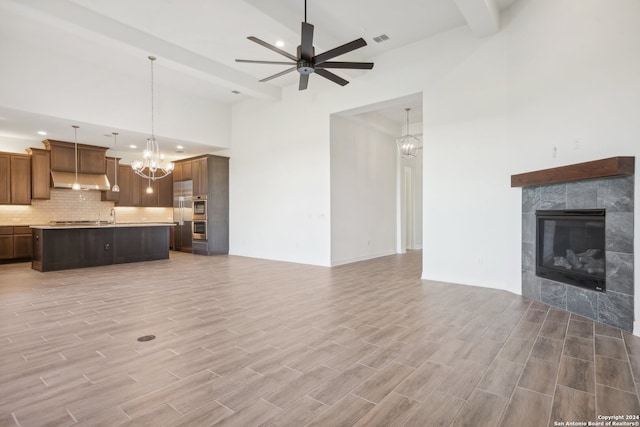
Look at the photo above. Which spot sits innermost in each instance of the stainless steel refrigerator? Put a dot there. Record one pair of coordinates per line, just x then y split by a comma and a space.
183, 215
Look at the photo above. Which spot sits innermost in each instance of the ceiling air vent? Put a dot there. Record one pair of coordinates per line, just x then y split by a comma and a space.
381, 38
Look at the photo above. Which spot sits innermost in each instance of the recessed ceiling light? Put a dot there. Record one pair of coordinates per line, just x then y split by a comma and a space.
280, 43
179, 147
133, 146
41, 132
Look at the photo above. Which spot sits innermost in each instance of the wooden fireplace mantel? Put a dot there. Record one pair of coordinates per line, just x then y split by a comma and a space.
613, 166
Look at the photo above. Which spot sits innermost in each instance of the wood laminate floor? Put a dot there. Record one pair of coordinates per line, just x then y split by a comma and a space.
249, 342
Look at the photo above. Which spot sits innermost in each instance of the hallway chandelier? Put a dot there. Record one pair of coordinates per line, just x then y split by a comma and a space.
408, 144
153, 164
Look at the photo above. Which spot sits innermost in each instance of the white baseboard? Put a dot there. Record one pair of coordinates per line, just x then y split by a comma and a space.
361, 258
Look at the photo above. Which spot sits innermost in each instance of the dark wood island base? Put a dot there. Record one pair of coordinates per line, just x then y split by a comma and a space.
67, 247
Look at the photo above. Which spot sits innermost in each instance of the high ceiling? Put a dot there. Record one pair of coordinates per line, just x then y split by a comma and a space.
197, 42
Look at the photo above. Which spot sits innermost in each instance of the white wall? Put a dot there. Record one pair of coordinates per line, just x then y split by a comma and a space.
363, 192
48, 56
279, 181
560, 71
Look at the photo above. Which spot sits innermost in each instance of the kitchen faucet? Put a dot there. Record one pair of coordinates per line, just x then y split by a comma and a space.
112, 214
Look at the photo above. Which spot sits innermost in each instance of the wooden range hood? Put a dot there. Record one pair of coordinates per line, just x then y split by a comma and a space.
92, 165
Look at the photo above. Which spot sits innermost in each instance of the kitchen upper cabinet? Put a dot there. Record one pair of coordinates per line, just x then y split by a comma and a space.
177, 171
91, 159
20, 179
162, 195
62, 157
110, 196
136, 189
165, 192
199, 171
125, 181
148, 200
5, 178
15, 179
40, 173
182, 170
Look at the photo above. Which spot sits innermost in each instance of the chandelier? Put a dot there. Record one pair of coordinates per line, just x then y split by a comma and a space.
408, 144
153, 164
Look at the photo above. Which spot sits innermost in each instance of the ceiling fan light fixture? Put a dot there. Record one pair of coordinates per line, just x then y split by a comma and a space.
307, 62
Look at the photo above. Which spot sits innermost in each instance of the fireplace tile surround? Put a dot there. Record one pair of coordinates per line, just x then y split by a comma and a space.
615, 194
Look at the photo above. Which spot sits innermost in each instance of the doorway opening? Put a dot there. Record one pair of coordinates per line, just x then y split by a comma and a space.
376, 194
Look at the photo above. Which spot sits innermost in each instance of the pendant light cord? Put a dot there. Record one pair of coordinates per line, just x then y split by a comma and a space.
115, 169
407, 130
75, 133
153, 135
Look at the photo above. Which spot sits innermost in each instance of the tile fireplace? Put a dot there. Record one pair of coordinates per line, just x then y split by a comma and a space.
577, 241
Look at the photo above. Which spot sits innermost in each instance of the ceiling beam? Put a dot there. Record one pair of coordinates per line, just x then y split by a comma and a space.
482, 16
183, 60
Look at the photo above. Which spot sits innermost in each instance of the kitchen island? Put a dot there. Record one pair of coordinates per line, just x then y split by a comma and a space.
63, 247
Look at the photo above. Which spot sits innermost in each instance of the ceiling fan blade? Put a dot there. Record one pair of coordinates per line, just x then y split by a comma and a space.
306, 43
304, 81
251, 61
351, 65
281, 73
340, 50
329, 75
273, 48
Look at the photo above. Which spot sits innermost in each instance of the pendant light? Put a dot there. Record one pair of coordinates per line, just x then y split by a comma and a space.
153, 164
76, 184
149, 188
408, 144
116, 187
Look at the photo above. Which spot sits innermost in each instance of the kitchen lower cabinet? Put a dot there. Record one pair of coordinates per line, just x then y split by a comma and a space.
63, 248
135, 244
22, 243
6, 245
15, 243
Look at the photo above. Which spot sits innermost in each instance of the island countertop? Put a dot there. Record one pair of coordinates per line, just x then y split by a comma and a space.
100, 225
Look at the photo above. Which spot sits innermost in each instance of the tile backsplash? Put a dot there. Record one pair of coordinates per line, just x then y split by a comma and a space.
69, 205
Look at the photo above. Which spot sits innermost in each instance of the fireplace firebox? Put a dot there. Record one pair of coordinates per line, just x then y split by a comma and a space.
570, 247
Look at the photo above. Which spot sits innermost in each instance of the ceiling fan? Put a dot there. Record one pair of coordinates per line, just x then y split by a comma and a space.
307, 62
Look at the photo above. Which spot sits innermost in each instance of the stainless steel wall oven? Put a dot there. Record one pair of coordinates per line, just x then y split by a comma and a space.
199, 230
200, 207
